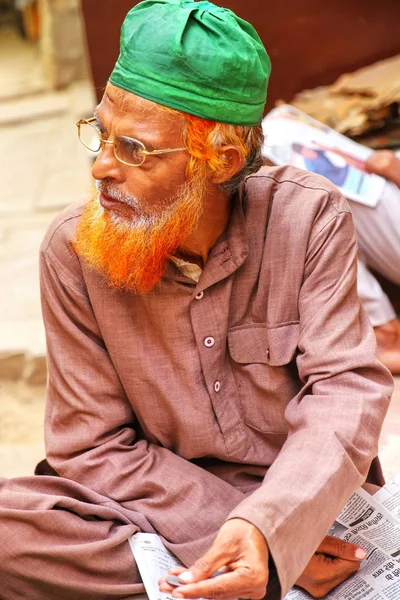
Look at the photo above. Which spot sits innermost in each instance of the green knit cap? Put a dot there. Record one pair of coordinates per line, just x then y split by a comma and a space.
195, 57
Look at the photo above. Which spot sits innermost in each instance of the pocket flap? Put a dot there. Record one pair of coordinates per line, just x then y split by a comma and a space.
275, 346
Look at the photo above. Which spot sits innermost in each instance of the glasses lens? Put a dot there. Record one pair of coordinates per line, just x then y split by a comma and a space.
128, 150
90, 136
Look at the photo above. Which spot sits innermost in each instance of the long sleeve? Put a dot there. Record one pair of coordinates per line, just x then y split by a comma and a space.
91, 431
335, 420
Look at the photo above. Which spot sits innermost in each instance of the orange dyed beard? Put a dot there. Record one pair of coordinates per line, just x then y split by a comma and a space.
132, 250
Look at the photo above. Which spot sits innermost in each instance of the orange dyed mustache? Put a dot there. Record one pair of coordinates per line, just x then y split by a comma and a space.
134, 258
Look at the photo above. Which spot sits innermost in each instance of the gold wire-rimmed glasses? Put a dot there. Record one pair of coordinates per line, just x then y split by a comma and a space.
127, 150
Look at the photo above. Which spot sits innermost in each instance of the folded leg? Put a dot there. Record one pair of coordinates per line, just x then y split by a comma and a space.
61, 541
378, 232
374, 300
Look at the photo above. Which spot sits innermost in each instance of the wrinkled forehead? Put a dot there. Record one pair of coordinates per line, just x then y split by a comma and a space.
122, 103
124, 109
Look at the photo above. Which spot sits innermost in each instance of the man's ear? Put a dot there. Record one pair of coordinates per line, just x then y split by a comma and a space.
234, 161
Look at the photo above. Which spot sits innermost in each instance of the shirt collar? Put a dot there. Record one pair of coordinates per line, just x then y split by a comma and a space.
229, 252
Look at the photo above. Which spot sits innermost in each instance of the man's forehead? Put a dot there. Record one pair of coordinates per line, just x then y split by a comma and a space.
123, 103
135, 110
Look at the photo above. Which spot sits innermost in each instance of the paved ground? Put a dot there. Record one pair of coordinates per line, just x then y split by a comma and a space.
43, 169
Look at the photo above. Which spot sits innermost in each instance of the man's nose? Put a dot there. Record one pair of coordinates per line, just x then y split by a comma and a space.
107, 166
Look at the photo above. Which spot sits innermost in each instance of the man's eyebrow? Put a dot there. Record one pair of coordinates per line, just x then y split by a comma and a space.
149, 145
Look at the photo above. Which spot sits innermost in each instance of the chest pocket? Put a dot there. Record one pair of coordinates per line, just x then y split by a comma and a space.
266, 379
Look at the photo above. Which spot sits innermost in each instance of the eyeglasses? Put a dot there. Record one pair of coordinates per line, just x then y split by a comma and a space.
127, 150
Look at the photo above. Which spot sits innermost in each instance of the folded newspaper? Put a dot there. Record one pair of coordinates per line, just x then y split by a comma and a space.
294, 138
154, 561
372, 522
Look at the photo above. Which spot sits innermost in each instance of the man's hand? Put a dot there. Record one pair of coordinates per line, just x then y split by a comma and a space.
385, 163
333, 562
241, 550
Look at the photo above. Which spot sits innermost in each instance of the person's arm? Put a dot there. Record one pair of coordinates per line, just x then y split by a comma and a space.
332, 563
90, 427
335, 420
385, 163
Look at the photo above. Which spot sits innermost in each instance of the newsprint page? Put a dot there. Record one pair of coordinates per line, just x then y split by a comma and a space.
372, 522
294, 138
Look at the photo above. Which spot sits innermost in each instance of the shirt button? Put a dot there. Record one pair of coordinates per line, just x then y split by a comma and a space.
199, 295
209, 342
217, 386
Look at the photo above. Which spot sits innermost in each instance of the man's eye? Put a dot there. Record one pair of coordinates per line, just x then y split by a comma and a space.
129, 150
103, 132
131, 145
100, 129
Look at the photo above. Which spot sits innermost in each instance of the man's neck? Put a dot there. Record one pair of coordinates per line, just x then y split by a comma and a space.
212, 223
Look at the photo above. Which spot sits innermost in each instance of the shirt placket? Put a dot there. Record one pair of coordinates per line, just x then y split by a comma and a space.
209, 310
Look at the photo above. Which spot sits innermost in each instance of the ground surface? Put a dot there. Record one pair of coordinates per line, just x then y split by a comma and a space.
43, 169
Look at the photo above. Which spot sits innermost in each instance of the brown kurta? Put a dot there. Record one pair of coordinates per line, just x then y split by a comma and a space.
173, 405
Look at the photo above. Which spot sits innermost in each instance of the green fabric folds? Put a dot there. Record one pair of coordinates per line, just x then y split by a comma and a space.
195, 57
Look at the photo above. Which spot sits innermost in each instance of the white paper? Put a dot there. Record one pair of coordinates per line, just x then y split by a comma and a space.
294, 138
153, 560
366, 522
389, 496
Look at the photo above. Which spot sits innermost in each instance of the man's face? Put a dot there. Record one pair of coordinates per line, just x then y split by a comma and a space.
140, 215
160, 178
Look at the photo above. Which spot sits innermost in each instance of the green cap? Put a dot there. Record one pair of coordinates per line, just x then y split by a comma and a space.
195, 57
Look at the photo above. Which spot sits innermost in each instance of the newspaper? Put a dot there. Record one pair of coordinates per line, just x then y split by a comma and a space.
389, 496
373, 523
292, 137
153, 560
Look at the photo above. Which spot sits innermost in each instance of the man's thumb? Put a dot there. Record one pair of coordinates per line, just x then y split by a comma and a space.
340, 549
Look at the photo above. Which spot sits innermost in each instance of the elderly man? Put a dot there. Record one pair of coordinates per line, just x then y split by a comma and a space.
212, 376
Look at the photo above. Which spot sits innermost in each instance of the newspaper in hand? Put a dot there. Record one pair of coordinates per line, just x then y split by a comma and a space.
154, 561
370, 522
294, 138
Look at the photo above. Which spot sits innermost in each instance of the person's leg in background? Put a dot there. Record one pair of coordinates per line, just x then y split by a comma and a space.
382, 316
378, 232
374, 300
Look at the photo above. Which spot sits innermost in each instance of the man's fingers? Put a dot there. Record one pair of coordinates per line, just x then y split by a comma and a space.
339, 568
336, 547
238, 583
216, 558
164, 585
241, 552
320, 589
322, 574
177, 570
